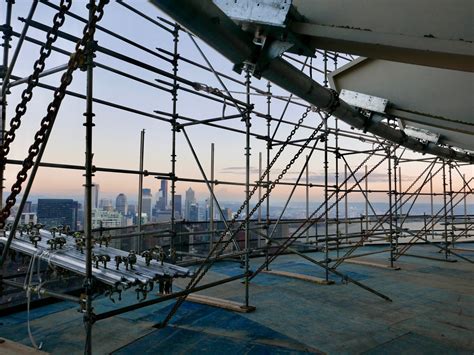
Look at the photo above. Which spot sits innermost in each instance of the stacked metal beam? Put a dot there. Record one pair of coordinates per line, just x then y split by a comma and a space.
70, 258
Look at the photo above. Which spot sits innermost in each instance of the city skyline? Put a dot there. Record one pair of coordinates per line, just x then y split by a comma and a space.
119, 148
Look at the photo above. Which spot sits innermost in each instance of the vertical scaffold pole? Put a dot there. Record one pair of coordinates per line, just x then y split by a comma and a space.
269, 147
89, 124
7, 29
211, 201
431, 204
465, 206
389, 153
336, 183
400, 190
247, 184
396, 194
338, 156
307, 165
174, 118
346, 204
445, 211
307, 196
259, 196
140, 185
366, 200
326, 196
326, 193
450, 193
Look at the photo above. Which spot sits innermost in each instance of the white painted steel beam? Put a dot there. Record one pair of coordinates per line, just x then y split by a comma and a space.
435, 33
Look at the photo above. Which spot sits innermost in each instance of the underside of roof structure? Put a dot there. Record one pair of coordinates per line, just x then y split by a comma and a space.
415, 58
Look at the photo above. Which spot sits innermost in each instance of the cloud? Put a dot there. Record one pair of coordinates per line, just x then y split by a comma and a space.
238, 170
315, 176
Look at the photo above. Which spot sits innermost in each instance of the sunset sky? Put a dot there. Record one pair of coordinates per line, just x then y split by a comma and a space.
117, 133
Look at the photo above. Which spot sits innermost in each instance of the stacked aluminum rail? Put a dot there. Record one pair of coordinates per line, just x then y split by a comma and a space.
70, 258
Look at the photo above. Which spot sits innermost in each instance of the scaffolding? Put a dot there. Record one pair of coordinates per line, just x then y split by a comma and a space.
290, 137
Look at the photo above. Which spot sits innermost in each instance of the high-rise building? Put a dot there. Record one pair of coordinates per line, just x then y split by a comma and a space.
55, 212
178, 206
27, 207
121, 204
207, 211
190, 199
103, 218
162, 203
227, 213
131, 210
95, 196
106, 204
193, 212
28, 217
146, 202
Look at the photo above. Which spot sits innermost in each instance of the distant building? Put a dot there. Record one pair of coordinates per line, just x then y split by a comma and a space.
190, 199
106, 204
162, 216
121, 204
95, 196
104, 218
146, 202
193, 212
162, 203
27, 207
131, 210
227, 213
55, 212
178, 206
207, 211
28, 217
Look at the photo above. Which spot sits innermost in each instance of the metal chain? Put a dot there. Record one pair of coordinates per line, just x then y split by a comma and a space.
275, 158
38, 68
76, 60
254, 189
202, 270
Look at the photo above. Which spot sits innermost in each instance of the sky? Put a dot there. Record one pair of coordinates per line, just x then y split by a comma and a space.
117, 133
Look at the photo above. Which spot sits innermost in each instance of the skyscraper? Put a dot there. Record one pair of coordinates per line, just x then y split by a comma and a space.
121, 204
132, 210
106, 204
95, 196
190, 199
193, 212
27, 207
162, 202
227, 213
146, 202
55, 212
178, 206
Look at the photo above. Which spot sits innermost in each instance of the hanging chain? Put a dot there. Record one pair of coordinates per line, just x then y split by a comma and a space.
255, 188
205, 266
38, 68
275, 158
76, 60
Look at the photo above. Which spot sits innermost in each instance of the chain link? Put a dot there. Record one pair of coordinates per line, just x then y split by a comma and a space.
75, 61
205, 266
38, 68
